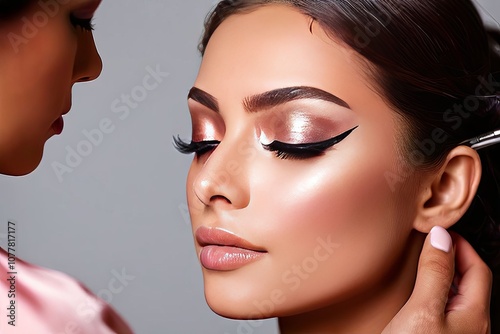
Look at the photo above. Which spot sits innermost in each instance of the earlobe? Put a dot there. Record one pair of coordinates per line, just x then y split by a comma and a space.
447, 193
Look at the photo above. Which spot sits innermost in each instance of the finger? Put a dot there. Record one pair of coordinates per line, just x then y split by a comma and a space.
474, 287
435, 272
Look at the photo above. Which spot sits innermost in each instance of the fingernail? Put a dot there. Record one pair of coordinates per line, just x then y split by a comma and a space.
440, 239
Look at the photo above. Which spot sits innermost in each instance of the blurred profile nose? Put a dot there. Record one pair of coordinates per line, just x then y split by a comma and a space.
88, 63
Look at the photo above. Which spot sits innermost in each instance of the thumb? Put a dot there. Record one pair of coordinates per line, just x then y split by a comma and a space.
436, 269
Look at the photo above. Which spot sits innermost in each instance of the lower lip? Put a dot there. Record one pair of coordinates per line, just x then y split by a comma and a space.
225, 258
58, 125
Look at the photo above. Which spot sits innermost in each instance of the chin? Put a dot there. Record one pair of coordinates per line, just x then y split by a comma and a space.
21, 166
233, 306
235, 313
18, 170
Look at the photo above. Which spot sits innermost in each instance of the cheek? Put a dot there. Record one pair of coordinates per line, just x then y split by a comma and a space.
52, 76
353, 206
196, 208
36, 80
332, 231
35, 88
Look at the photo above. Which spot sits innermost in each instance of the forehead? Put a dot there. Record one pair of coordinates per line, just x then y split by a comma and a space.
274, 46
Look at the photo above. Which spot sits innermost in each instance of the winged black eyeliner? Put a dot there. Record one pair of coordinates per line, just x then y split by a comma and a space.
283, 150
303, 151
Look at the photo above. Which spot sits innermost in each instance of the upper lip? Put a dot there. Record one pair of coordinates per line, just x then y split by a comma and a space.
206, 236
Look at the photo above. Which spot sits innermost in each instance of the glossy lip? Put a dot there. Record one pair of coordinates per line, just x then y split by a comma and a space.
225, 251
218, 237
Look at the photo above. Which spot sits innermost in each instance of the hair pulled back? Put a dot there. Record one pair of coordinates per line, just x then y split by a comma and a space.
438, 66
11, 8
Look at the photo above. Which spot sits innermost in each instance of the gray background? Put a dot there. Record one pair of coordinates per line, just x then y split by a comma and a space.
123, 207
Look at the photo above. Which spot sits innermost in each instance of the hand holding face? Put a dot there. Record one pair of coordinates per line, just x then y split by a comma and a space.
452, 291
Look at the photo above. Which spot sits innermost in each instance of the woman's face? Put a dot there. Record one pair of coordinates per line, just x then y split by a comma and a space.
281, 229
43, 51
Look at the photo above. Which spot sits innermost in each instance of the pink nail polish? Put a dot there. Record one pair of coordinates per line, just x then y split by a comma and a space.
440, 239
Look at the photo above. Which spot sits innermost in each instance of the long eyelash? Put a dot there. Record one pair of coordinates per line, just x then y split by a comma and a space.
304, 151
85, 24
199, 147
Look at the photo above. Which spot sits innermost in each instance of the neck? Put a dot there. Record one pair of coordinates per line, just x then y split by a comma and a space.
369, 312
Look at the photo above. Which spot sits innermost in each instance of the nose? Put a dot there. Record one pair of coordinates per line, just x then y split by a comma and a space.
88, 63
222, 180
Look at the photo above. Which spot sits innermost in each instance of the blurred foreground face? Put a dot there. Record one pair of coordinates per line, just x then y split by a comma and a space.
44, 50
288, 196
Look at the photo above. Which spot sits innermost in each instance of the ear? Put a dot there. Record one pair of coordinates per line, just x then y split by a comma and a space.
446, 195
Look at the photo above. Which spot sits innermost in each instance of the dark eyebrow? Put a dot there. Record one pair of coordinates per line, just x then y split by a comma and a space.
204, 98
269, 99
280, 96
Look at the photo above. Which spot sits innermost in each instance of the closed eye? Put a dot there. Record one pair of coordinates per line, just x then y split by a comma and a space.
199, 147
304, 150
85, 24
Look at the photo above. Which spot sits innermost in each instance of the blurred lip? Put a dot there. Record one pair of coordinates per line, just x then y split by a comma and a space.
206, 236
58, 125
224, 251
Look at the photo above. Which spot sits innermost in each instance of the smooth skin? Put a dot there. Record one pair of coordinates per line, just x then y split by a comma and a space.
288, 208
43, 53
37, 72
429, 310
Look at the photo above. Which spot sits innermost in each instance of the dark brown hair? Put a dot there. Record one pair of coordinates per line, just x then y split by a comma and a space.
437, 66
10, 8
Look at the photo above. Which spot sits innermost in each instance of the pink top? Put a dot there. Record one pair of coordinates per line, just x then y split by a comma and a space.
43, 301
